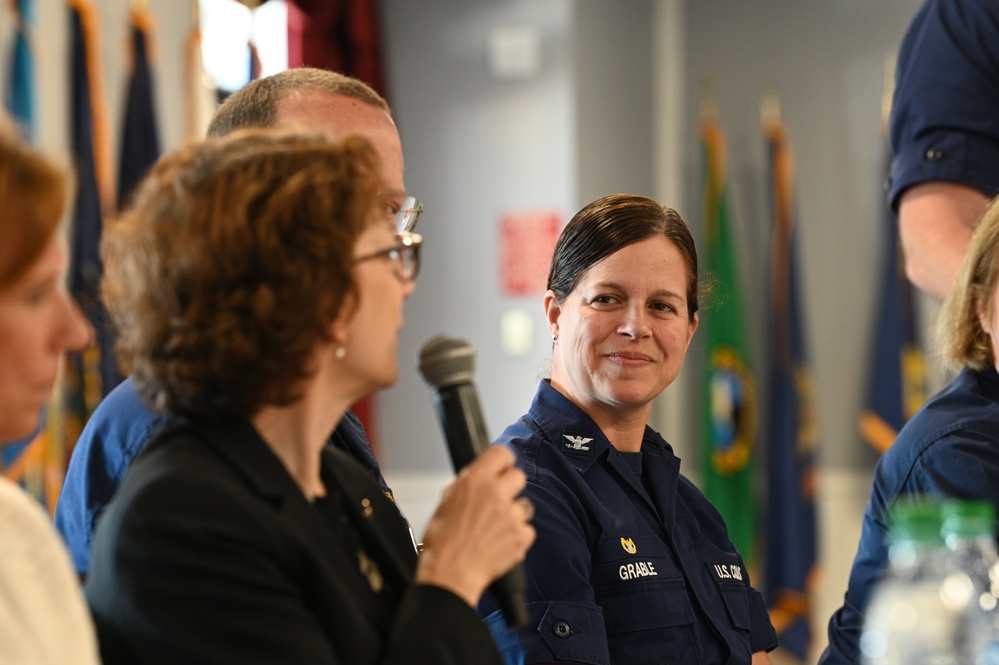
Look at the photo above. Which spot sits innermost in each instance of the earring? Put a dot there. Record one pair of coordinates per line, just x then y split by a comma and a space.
555, 338
340, 352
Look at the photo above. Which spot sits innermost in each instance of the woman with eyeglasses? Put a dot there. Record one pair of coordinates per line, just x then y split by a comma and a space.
43, 619
257, 286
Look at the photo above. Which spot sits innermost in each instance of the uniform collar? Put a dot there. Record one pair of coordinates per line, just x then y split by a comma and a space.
569, 428
583, 444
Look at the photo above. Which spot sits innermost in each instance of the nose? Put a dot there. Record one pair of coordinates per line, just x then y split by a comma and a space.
74, 332
636, 322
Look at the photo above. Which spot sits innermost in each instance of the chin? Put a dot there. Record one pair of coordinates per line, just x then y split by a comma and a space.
18, 429
389, 379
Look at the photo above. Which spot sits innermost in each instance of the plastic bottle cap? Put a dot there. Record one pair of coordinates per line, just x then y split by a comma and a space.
967, 517
915, 518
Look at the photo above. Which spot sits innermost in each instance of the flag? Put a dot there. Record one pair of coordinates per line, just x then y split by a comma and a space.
92, 374
897, 385
140, 144
200, 94
339, 36
730, 410
791, 459
21, 91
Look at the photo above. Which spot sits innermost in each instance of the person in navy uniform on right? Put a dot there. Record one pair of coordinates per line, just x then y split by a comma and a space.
950, 447
632, 564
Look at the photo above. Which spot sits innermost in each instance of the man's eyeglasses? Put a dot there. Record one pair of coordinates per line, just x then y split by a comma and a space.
404, 254
408, 215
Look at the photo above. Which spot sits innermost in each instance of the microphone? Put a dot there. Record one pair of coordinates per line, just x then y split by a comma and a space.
447, 365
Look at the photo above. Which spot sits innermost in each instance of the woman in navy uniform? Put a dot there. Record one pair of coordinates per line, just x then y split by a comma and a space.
632, 563
257, 287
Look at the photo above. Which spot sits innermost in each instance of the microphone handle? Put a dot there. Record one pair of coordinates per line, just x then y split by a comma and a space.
465, 432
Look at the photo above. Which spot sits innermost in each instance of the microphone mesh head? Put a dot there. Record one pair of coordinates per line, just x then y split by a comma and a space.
445, 361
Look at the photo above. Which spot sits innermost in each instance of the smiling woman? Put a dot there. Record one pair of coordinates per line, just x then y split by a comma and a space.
632, 563
42, 615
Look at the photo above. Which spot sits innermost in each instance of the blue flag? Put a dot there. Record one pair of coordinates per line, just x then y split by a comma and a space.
897, 384
94, 373
140, 144
21, 93
791, 459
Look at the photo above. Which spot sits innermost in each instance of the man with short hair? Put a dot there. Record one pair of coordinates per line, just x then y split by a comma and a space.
306, 99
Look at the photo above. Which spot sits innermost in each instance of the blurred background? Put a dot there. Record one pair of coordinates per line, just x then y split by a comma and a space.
514, 114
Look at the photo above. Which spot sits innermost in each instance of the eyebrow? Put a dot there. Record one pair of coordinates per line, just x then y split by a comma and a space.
662, 293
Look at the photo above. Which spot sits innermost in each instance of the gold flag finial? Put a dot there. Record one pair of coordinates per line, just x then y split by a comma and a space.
709, 99
769, 109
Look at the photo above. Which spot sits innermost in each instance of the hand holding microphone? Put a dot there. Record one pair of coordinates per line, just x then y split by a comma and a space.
481, 529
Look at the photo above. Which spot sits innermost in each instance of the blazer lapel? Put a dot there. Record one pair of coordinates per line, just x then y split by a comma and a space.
380, 525
241, 446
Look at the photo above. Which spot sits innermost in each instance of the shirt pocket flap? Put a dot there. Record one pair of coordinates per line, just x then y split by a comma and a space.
729, 575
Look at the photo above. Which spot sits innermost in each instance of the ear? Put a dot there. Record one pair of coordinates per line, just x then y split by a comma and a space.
690, 333
339, 328
552, 311
983, 316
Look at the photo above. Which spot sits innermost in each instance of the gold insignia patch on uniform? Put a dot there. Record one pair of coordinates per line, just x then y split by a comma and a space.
629, 545
370, 571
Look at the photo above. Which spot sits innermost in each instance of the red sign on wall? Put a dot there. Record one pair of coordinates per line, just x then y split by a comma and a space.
528, 240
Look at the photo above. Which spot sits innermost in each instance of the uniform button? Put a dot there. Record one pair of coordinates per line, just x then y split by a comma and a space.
934, 155
562, 629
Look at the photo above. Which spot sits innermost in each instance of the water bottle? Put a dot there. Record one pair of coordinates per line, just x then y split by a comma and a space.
907, 622
971, 569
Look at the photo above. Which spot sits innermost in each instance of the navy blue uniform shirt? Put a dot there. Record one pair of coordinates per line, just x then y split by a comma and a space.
118, 429
626, 568
950, 447
945, 113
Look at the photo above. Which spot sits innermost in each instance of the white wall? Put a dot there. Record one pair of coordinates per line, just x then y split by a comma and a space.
478, 146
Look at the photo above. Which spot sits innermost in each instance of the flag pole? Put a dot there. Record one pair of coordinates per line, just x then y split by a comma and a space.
887, 92
709, 100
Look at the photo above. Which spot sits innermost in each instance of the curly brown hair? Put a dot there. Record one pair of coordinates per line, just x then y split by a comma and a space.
232, 263
32, 199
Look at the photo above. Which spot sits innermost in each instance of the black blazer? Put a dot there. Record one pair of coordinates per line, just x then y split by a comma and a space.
209, 553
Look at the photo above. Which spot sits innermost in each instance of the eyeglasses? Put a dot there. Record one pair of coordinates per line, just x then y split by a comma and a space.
408, 215
404, 254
